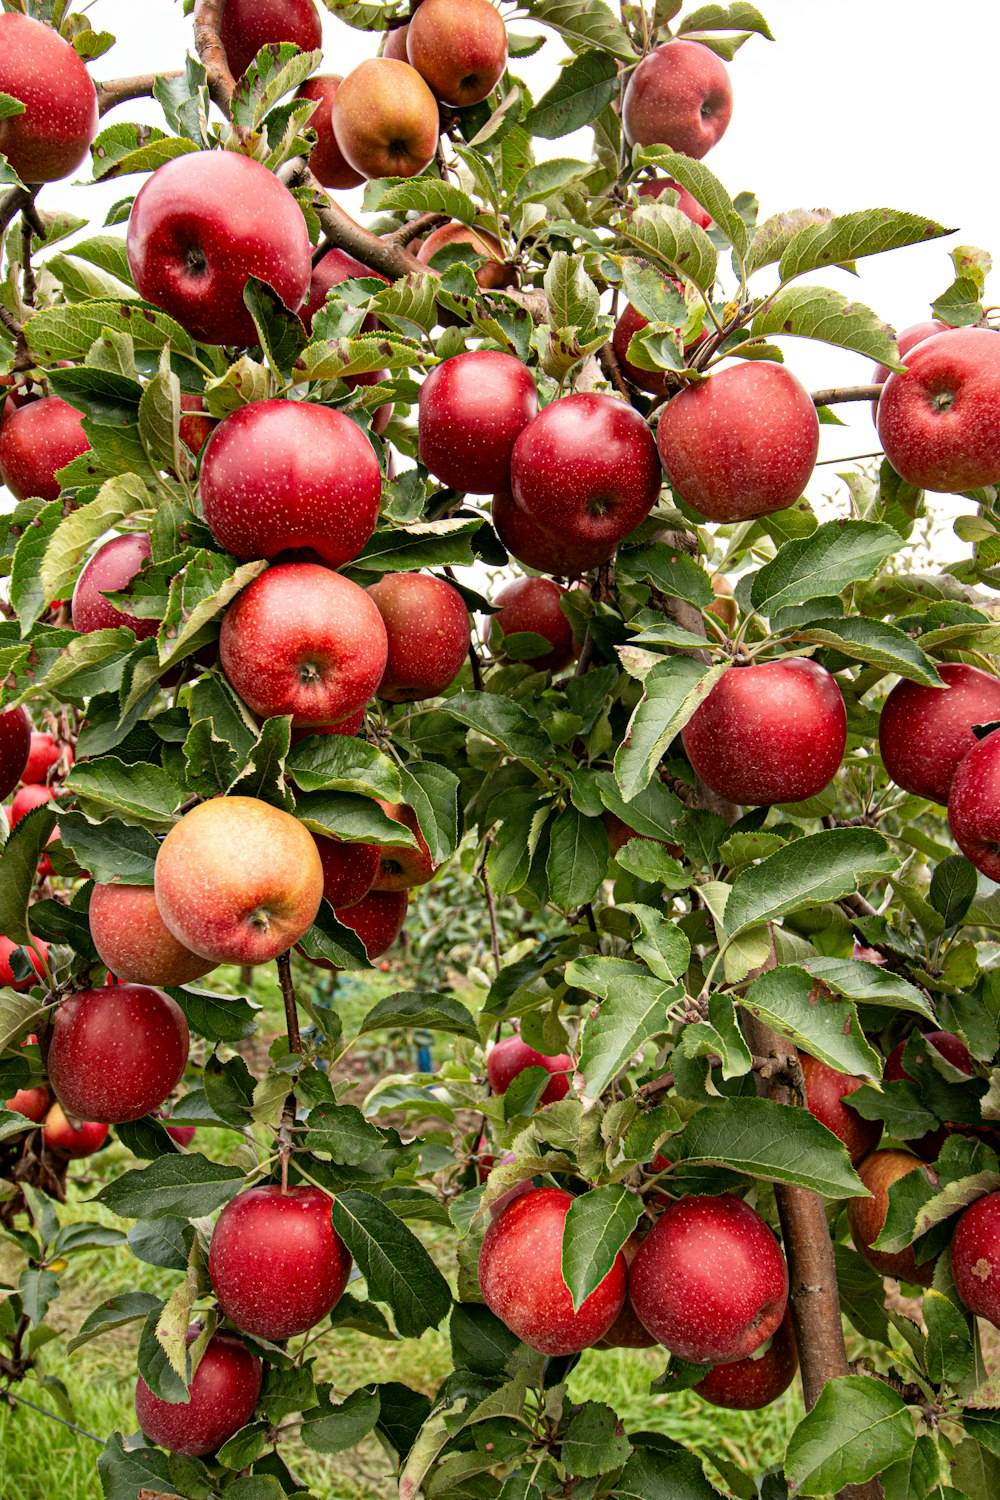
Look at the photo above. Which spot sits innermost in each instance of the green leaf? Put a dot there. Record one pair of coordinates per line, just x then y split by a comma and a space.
953, 888
949, 1352
594, 1442
662, 1470
423, 1010
18, 865
337, 763
424, 544
662, 944
578, 858
767, 1140
861, 1294
68, 545
425, 194
703, 186
597, 1226
867, 231
858, 1427
672, 692
833, 557
282, 336
574, 301
820, 867
191, 1185
585, 87
328, 938
125, 1474
868, 984
121, 149
341, 1132
355, 820
218, 1018
144, 795
334, 1429
114, 853
395, 1265
432, 791
788, 1000
115, 1312
634, 1009
875, 643
587, 22
818, 312
665, 234
38, 1289
503, 721
740, 15
69, 332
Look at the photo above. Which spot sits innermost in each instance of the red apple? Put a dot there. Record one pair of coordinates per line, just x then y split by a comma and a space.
459, 47
132, 939
866, 1216
349, 726
401, 868
533, 606
196, 426
277, 1264
50, 140
564, 556
825, 1093
428, 633
34, 1104
377, 919
710, 1281
67, 1140
394, 44
629, 323
223, 1398
182, 1134
385, 119
249, 25
974, 806
750, 1383
925, 733
348, 870
907, 340
37, 952
626, 1332
45, 753
38, 440
687, 205
473, 408
27, 799
494, 274
975, 1258
116, 1052
238, 881
204, 223
15, 748
742, 443
679, 96
336, 266
586, 470
327, 160
110, 570
939, 419
520, 1277
774, 732
512, 1055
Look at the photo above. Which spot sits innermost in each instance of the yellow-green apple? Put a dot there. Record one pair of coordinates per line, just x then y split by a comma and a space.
534, 606
709, 1280
685, 202
200, 227
133, 940
954, 1051
974, 806
222, 1398
238, 881
459, 47
866, 1216
45, 753
290, 476
473, 408
679, 96
520, 1277
349, 870
377, 919
336, 266
939, 419
50, 140
386, 119
975, 1258
304, 641
773, 732
493, 275
110, 570
73, 1141
626, 1332
15, 748
512, 1055
36, 441
196, 426
116, 1052
277, 1264
327, 160
924, 733
907, 340
37, 952
428, 633
825, 1100
249, 25
401, 867
742, 443
750, 1383
547, 552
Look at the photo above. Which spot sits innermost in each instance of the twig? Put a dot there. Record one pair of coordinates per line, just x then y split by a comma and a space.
345, 233
477, 670
9, 1396
294, 1045
12, 203
208, 44
491, 907
613, 371
139, 86
414, 228
28, 284
839, 394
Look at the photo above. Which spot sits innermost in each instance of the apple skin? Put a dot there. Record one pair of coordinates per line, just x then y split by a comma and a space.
939, 419
685, 202
27, 799
249, 25
493, 275
775, 732
304, 641
348, 870
512, 1055
533, 605
626, 1332
394, 44
51, 139
327, 160
112, 568
866, 1216
586, 469
520, 1277
290, 476
116, 1052
974, 806
223, 1398
975, 1258
459, 47
401, 868
335, 267
428, 633
60, 1136
38, 953
15, 748
200, 226
238, 880
377, 919
472, 410
132, 939
679, 96
277, 1264
535, 548
631, 322
196, 426
924, 734
907, 340
825, 1091
38, 440
385, 119
45, 753
748, 1384
34, 1104
951, 1047
742, 443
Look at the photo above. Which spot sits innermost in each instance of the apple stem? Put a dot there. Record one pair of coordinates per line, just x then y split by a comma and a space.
838, 394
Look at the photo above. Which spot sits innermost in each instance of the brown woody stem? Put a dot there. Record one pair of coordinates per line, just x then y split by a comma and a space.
837, 395
414, 228
208, 45
294, 1045
139, 86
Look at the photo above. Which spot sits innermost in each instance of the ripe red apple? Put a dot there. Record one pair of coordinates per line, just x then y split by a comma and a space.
907, 340
951, 1047
66, 1140
290, 476
520, 1277
304, 641
37, 952
348, 870
975, 1258
473, 408
45, 753
750, 1383
866, 1216
394, 44
336, 266
939, 419
512, 1055
925, 733
249, 25
223, 1398
34, 1103
494, 274
586, 470
132, 939
533, 605
39, 439
428, 633
50, 140
685, 202
564, 556
204, 223
385, 119
277, 1264
238, 880
679, 96
111, 569
459, 47
27, 799
825, 1093
116, 1052
377, 919
974, 806
182, 1134
401, 868
775, 732
15, 748
327, 160
196, 426
742, 443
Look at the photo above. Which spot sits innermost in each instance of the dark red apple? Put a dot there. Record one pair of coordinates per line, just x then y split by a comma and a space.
116, 1052
685, 202
249, 25
110, 570
535, 548
377, 919
402, 868
520, 1277
459, 47
386, 119
428, 633
866, 1216
204, 223
512, 1055
974, 806
38, 440
348, 870
66, 1140
975, 1258
336, 266
750, 1383
223, 1398
50, 140
939, 419
924, 733
494, 274
37, 952
825, 1093
45, 753
196, 426
679, 96
134, 941
327, 161
473, 408
15, 748
533, 606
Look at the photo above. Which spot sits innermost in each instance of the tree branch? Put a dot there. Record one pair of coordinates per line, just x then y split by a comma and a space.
414, 228
294, 1045
118, 90
837, 395
208, 45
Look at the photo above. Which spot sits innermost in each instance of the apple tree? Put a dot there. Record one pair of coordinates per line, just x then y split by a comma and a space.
711, 786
